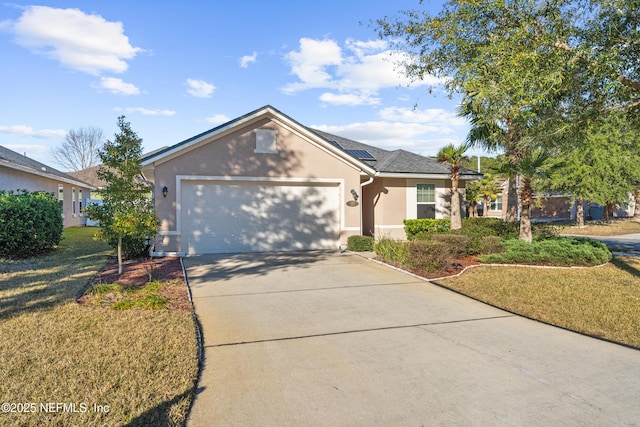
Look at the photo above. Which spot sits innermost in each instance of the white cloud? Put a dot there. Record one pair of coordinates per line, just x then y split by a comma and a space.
420, 131
218, 119
117, 86
146, 111
349, 99
200, 88
310, 64
84, 42
27, 131
248, 59
446, 121
355, 73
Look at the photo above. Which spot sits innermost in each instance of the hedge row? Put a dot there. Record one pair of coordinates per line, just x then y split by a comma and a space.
30, 223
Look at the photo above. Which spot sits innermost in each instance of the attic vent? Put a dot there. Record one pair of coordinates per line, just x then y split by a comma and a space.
361, 154
336, 144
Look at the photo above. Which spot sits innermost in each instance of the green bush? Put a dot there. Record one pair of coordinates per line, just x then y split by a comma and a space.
360, 243
455, 245
428, 255
474, 227
391, 251
30, 223
413, 227
132, 247
559, 251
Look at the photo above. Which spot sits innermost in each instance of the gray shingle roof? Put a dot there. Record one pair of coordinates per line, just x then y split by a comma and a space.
35, 166
396, 161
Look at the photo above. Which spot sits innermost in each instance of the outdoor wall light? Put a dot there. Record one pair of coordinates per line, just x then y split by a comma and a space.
165, 191
354, 194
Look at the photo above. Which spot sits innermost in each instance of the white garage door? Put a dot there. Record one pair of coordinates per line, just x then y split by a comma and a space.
227, 217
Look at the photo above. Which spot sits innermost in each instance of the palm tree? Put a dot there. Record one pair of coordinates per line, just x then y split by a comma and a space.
473, 196
455, 157
488, 190
530, 167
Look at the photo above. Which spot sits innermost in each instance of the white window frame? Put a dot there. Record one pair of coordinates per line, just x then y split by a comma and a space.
61, 198
433, 195
496, 204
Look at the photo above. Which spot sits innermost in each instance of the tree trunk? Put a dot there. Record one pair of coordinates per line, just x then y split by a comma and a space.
526, 194
636, 212
456, 217
119, 254
485, 206
512, 200
580, 212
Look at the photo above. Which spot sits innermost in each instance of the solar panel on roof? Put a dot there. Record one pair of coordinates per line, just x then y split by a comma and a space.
361, 154
336, 144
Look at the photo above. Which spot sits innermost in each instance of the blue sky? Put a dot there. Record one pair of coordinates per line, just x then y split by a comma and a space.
176, 69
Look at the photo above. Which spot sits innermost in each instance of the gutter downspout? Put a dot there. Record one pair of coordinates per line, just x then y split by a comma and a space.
362, 185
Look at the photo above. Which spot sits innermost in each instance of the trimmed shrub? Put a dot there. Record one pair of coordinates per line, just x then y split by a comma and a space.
559, 251
391, 251
475, 227
485, 245
30, 223
132, 247
428, 255
455, 245
360, 243
413, 227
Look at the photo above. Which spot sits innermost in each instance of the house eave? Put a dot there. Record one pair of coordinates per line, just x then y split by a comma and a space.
44, 174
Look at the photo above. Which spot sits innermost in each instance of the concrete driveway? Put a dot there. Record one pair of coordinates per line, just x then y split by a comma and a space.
326, 339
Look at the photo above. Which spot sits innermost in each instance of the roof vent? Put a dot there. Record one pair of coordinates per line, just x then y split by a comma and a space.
361, 154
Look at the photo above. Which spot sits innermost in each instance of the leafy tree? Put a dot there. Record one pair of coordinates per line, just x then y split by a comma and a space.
602, 164
79, 150
528, 71
455, 157
126, 209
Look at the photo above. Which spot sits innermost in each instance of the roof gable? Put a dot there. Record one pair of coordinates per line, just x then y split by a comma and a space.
370, 159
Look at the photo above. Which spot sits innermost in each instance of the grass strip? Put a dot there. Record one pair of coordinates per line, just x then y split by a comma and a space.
599, 301
602, 228
84, 365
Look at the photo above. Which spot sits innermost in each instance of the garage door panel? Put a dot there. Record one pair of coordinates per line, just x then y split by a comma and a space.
248, 217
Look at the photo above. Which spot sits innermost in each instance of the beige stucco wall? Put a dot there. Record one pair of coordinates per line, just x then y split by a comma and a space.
233, 156
11, 179
386, 199
392, 200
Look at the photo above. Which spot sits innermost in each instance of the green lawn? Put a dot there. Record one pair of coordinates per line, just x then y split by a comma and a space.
598, 301
599, 228
84, 365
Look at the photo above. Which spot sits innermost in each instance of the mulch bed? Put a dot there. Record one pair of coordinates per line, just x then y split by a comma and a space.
138, 272
454, 267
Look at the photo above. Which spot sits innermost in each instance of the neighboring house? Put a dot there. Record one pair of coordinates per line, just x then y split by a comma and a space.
89, 175
556, 207
18, 172
264, 182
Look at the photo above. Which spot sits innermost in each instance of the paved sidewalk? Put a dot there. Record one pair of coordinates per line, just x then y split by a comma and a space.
622, 245
325, 339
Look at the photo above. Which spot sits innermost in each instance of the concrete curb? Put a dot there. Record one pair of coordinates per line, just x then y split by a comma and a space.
199, 339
